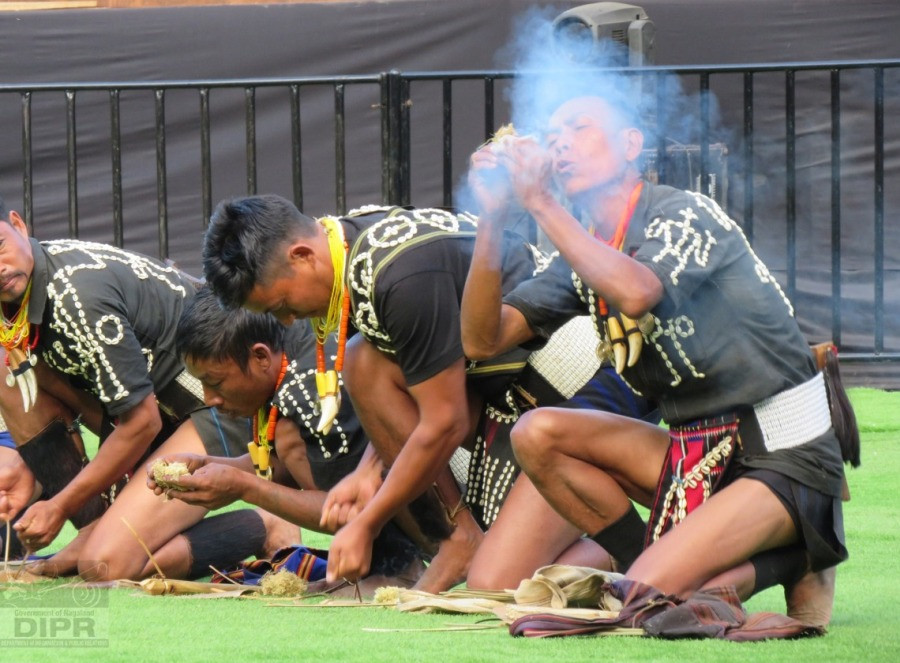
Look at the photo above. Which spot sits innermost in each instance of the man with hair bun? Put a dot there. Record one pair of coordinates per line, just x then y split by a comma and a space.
689, 316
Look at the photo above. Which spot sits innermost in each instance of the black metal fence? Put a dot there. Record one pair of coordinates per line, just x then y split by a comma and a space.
799, 154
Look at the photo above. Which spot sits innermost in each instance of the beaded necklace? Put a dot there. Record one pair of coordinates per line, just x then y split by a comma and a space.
15, 338
14, 333
260, 447
618, 238
336, 319
615, 333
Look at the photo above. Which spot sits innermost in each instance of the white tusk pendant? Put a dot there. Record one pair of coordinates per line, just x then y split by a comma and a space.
617, 340
329, 400
329, 406
22, 371
634, 338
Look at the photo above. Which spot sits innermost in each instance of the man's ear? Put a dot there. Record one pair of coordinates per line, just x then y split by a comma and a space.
300, 250
261, 356
634, 143
17, 222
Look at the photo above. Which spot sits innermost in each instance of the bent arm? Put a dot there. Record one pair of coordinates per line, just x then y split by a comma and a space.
118, 455
488, 326
442, 427
300, 507
215, 485
626, 285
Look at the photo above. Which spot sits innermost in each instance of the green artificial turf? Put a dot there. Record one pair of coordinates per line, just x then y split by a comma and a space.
173, 629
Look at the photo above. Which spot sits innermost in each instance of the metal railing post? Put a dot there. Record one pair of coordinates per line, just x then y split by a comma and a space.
390, 138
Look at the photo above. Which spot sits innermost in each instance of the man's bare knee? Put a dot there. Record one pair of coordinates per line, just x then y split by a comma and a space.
367, 372
352, 371
487, 578
103, 558
288, 445
533, 437
97, 566
92, 571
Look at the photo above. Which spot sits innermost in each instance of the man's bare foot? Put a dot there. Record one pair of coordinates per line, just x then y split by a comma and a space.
279, 533
53, 568
811, 598
454, 557
742, 578
64, 562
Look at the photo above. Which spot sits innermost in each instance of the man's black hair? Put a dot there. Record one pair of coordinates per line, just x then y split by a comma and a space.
243, 240
209, 332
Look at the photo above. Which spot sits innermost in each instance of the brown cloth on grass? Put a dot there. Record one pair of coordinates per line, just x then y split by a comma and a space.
712, 613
